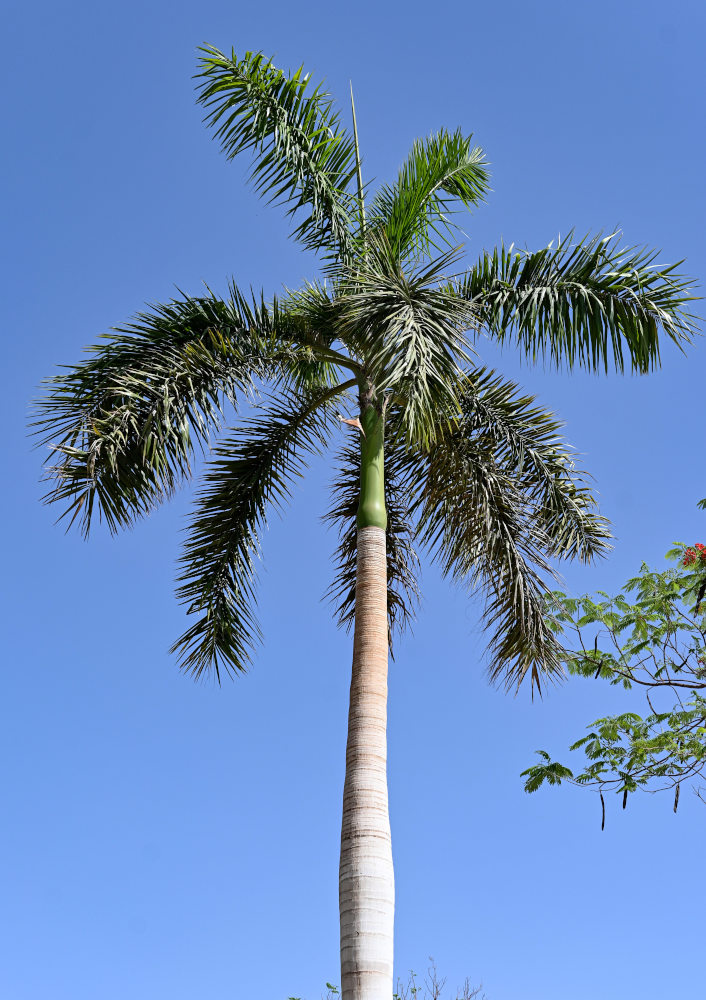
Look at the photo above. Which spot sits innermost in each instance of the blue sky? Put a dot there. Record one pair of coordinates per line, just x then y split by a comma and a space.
166, 839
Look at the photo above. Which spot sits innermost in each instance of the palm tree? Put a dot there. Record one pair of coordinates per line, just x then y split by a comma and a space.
437, 451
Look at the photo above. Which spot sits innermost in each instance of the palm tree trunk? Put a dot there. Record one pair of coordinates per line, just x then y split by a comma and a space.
366, 879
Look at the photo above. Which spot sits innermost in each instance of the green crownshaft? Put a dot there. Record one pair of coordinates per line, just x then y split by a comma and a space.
371, 507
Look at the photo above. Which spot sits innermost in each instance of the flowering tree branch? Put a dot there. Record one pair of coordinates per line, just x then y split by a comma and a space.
658, 643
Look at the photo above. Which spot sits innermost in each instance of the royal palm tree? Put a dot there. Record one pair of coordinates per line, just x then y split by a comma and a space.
437, 450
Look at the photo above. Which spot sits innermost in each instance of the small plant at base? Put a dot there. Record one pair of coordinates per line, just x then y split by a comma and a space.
430, 989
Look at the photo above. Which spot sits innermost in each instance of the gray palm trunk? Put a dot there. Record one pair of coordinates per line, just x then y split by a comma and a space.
366, 877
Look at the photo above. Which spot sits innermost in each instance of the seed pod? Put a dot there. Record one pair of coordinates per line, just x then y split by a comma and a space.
602, 810
676, 797
625, 798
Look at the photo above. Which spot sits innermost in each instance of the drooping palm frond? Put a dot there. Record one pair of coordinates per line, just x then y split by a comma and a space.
125, 423
402, 559
527, 443
303, 156
411, 330
251, 472
587, 304
415, 213
496, 497
480, 531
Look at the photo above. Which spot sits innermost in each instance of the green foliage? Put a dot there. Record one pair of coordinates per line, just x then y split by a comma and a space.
477, 473
125, 424
302, 156
415, 212
412, 332
251, 472
584, 303
655, 641
495, 499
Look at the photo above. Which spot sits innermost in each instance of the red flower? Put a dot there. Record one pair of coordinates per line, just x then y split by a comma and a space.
695, 553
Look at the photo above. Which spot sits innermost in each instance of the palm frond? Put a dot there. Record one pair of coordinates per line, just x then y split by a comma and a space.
411, 330
480, 533
303, 157
495, 499
125, 422
440, 172
314, 320
526, 443
590, 304
402, 560
251, 472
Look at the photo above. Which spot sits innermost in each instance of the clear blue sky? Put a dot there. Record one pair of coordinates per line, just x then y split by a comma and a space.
165, 839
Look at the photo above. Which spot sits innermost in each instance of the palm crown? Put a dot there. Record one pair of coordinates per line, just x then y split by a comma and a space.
475, 472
